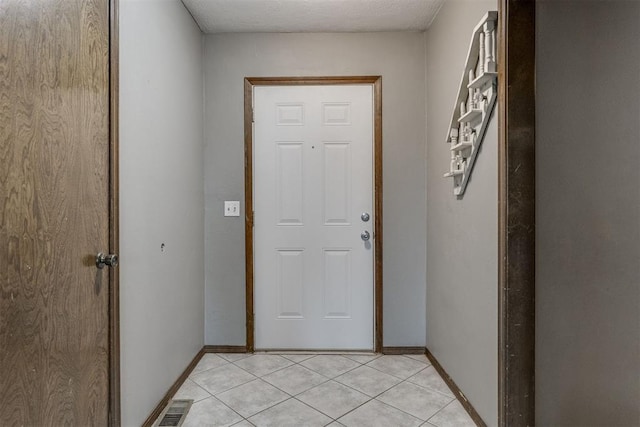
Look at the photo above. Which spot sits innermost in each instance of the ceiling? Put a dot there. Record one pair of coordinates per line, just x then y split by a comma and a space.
312, 16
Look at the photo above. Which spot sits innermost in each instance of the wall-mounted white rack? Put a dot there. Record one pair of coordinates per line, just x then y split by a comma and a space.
476, 99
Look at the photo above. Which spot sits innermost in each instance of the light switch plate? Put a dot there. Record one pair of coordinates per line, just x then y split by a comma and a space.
231, 208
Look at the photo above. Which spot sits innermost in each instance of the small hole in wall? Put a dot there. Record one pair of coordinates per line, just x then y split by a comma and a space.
162, 247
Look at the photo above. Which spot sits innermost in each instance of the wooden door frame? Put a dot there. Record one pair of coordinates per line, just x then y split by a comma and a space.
516, 213
114, 224
249, 83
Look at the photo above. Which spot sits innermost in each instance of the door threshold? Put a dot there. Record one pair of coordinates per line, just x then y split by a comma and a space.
317, 352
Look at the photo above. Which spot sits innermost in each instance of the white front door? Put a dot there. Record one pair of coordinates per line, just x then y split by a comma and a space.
313, 188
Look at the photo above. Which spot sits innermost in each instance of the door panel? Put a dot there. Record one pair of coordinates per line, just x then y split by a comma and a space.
313, 177
336, 285
336, 171
54, 212
290, 179
290, 284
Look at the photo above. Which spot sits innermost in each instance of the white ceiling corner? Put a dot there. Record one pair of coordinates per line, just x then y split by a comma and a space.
312, 16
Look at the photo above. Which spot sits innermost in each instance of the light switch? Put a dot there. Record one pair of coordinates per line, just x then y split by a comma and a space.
231, 208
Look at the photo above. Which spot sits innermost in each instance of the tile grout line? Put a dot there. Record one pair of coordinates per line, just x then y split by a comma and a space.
425, 388
373, 367
295, 396
379, 394
327, 379
395, 385
440, 410
315, 409
236, 412
446, 406
451, 396
269, 407
279, 389
214, 396
414, 374
268, 373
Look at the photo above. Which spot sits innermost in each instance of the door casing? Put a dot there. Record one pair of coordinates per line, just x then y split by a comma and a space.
249, 83
114, 219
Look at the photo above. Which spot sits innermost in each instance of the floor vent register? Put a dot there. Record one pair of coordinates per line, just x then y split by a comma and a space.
175, 413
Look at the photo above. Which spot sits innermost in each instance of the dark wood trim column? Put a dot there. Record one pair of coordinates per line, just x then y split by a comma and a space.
516, 228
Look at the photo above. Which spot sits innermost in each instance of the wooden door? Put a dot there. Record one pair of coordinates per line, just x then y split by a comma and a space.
313, 200
54, 212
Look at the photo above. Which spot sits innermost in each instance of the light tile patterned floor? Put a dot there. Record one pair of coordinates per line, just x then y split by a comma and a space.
308, 390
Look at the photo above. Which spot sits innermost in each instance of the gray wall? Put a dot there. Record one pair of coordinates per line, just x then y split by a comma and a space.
400, 59
161, 200
588, 213
462, 243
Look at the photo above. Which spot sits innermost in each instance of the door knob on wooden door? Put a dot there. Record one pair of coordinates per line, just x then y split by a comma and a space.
102, 259
365, 235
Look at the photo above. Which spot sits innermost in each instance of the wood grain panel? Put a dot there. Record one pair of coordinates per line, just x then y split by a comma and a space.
54, 211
